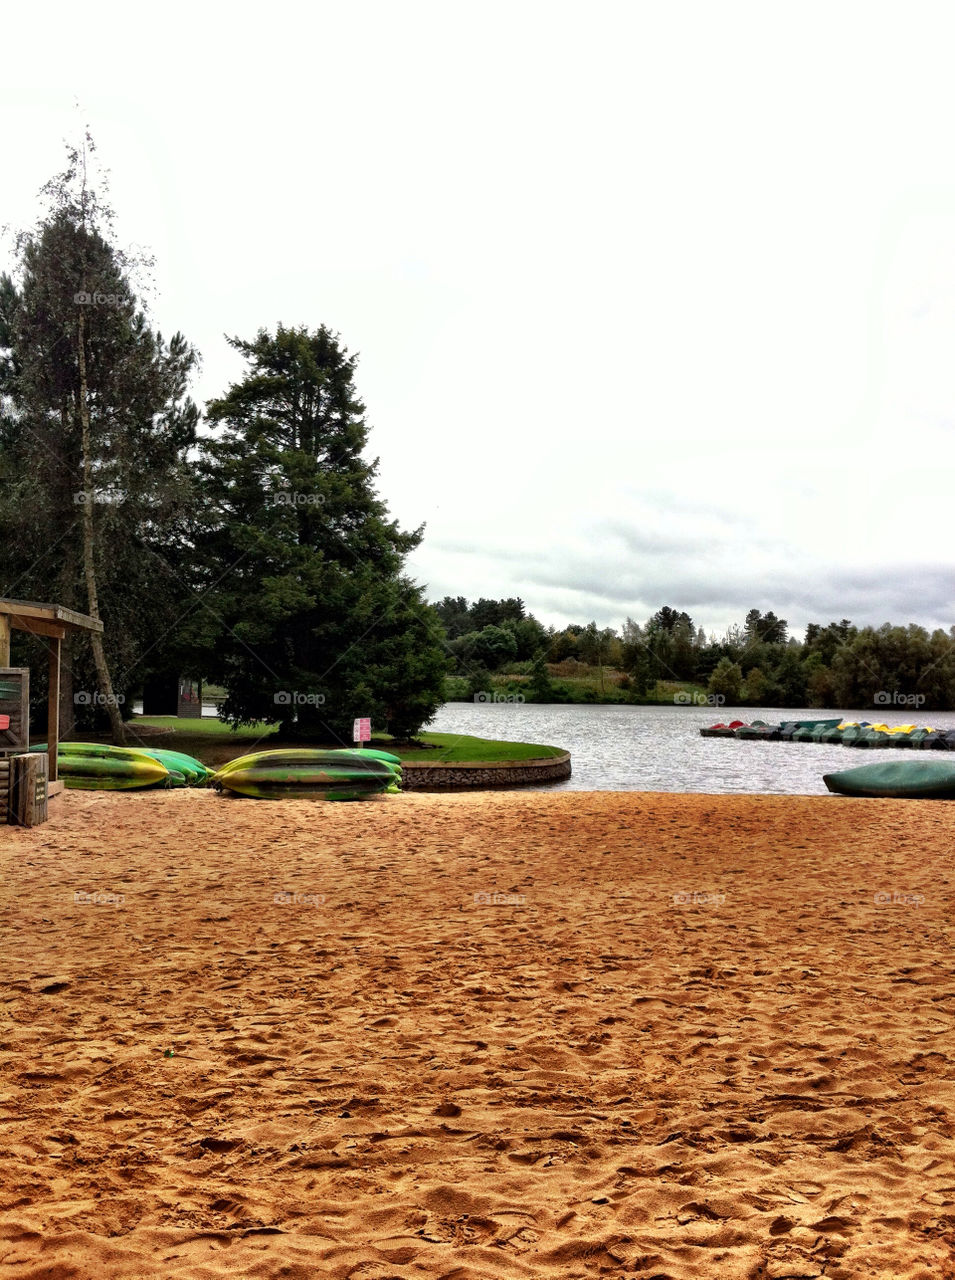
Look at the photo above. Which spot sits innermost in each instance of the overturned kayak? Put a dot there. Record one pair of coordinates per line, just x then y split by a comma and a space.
896, 779
111, 773
122, 770
195, 773
310, 774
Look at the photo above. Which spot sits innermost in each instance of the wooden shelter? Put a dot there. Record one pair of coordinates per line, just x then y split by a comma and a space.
52, 622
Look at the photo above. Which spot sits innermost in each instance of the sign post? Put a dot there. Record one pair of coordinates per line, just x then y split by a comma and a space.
361, 732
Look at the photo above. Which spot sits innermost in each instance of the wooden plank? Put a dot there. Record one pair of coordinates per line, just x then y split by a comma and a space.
41, 791
51, 613
35, 626
4, 641
17, 790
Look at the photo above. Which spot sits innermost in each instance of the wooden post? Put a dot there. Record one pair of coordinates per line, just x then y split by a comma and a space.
67, 706
4, 640
53, 708
29, 794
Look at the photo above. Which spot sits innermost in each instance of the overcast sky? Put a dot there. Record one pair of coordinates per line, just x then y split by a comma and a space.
655, 303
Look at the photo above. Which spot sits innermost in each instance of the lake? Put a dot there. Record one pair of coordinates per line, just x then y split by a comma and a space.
623, 748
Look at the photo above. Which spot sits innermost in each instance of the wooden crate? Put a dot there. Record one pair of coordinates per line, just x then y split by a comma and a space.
28, 789
15, 703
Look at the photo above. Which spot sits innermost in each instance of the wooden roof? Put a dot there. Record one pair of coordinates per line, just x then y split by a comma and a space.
30, 615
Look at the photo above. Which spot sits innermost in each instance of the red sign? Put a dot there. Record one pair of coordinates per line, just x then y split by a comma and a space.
362, 731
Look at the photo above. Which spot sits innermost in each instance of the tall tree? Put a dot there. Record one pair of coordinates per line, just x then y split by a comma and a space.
455, 615
765, 627
666, 619
317, 621
95, 423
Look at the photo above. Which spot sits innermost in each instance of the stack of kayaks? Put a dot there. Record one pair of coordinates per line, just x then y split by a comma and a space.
311, 774
848, 733
897, 779
95, 766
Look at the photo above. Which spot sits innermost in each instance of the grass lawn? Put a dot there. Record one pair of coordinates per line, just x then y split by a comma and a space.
459, 747
214, 743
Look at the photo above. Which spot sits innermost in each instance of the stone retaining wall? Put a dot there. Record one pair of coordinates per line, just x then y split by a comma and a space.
504, 773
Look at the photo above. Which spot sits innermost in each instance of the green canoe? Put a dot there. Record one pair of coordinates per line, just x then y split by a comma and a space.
896, 779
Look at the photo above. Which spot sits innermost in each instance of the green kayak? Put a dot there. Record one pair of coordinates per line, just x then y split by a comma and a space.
188, 770
119, 772
362, 762
896, 779
194, 771
304, 773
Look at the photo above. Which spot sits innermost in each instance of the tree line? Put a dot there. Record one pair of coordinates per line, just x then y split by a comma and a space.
756, 662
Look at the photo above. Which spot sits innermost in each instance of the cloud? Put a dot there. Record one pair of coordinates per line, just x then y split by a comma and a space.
716, 583
647, 323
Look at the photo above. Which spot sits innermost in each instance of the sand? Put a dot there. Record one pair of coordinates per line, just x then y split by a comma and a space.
693, 1036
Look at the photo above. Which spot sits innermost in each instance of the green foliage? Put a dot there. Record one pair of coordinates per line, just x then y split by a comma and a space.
462, 622
493, 647
820, 690
494, 613
755, 687
726, 681
455, 616
766, 627
479, 682
637, 658
317, 623
541, 686
71, 295
455, 689
529, 635
563, 645
838, 665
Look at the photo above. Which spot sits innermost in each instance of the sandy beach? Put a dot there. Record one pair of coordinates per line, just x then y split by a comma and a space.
478, 1037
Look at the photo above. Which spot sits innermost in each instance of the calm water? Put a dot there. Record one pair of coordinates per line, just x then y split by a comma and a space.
660, 748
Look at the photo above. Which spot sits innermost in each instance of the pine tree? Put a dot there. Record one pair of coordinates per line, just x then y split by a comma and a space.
318, 623
95, 424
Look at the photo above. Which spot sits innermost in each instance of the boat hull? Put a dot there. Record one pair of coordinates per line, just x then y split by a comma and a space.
111, 773
304, 773
896, 779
